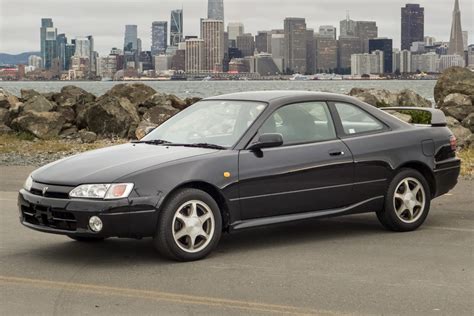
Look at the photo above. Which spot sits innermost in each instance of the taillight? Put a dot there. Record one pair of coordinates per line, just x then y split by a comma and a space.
453, 142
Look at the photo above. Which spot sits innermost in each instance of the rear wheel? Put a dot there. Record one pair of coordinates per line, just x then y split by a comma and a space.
407, 202
189, 226
86, 239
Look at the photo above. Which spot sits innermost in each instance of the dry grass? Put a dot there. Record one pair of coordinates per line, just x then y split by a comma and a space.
467, 166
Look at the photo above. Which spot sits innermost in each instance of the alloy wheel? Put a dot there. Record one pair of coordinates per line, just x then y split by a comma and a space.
409, 200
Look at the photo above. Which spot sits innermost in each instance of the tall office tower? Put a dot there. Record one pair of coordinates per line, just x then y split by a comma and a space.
347, 46
159, 36
61, 42
413, 25
456, 43
130, 38
310, 52
347, 27
386, 46
176, 27
263, 42
278, 50
366, 30
69, 52
246, 44
326, 54
327, 31
212, 32
194, 55
50, 47
45, 23
425, 62
295, 45
235, 29
215, 10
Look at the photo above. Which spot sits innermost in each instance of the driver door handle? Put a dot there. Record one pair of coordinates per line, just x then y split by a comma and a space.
336, 153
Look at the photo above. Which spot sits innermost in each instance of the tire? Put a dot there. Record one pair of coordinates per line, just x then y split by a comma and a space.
406, 210
186, 218
87, 239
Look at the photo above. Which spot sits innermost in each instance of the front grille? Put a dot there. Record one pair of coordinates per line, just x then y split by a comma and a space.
50, 194
49, 217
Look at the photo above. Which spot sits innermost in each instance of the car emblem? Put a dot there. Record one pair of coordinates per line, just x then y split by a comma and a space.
44, 190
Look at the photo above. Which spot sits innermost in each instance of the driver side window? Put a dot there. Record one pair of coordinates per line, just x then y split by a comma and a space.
301, 123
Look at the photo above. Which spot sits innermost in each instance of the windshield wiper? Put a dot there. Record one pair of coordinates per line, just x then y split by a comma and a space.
200, 145
152, 142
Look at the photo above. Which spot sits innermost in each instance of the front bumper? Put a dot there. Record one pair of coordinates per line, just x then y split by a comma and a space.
133, 217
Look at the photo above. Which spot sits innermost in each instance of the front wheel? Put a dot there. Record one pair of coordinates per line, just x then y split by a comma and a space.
407, 202
189, 226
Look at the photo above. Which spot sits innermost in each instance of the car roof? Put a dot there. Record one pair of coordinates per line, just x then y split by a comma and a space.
281, 95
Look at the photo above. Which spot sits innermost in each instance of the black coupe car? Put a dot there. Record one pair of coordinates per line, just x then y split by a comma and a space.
244, 160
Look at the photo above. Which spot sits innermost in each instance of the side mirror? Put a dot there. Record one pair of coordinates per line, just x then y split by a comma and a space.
267, 141
149, 129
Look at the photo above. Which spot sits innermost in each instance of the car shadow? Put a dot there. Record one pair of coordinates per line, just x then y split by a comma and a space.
114, 251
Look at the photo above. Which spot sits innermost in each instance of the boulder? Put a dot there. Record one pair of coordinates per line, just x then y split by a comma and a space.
5, 129
454, 80
38, 103
27, 94
159, 114
69, 132
136, 93
5, 117
68, 113
409, 97
142, 129
7, 100
71, 96
375, 97
457, 105
468, 122
87, 136
157, 99
192, 100
44, 125
176, 102
470, 142
110, 116
462, 134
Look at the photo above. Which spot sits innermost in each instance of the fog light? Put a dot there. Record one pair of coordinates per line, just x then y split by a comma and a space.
95, 224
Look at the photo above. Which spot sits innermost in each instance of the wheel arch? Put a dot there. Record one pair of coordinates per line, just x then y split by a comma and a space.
210, 189
425, 170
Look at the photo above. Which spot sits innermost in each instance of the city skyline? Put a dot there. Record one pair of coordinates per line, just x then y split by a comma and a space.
19, 38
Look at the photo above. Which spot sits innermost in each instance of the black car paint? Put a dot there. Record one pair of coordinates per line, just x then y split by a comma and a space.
346, 175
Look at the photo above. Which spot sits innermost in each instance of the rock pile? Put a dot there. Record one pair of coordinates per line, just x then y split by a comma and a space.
124, 111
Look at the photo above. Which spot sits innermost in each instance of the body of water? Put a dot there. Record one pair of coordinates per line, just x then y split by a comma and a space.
203, 89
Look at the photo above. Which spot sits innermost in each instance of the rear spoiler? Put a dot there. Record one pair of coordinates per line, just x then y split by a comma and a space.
437, 116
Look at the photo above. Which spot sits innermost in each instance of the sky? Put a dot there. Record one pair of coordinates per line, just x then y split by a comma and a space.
105, 19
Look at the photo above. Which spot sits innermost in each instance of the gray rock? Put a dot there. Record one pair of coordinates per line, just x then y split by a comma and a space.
376, 97
27, 94
143, 128
68, 113
454, 80
176, 102
44, 125
38, 103
468, 122
5, 129
135, 93
159, 114
71, 96
409, 97
157, 99
457, 105
5, 117
7, 100
87, 136
110, 116
69, 132
462, 134
192, 100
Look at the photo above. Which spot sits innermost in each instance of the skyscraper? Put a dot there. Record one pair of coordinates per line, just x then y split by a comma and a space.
347, 27
212, 32
50, 47
295, 45
327, 31
347, 46
194, 55
386, 46
310, 52
263, 41
215, 10
366, 30
159, 37
413, 25
246, 44
456, 42
131, 37
176, 27
61, 42
326, 54
45, 23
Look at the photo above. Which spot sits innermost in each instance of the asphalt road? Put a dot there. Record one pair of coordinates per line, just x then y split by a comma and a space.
348, 265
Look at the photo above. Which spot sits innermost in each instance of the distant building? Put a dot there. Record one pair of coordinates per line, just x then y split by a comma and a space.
465, 38
366, 30
413, 25
295, 45
428, 63
159, 37
234, 29
347, 27
447, 61
278, 51
35, 61
215, 10
46, 57
162, 63
367, 64
326, 55
470, 56
310, 52
430, 41
83, 47
107, 66
265, 66
246, 44
386, 46
213, 35
263, 42
347, 46
176, 27
178, 62
50, 47
328, 31
130, 38
418, 47
456, 41
194, 56
405, 61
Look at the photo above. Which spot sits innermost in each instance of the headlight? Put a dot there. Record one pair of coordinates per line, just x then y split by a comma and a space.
28, 183
102, 191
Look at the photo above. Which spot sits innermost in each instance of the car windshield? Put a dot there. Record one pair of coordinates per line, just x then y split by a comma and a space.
218, 123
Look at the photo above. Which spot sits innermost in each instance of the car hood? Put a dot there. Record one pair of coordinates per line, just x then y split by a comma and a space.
109, 164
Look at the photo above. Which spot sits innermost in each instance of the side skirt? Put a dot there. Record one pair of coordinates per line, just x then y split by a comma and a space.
371, 204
